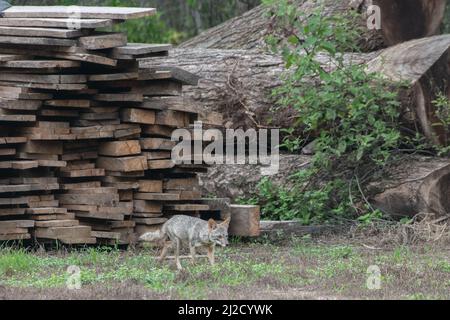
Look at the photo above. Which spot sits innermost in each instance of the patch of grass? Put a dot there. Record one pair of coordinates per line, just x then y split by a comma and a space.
242, 271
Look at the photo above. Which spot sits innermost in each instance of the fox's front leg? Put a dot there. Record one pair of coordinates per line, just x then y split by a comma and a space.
166, 247
193, 253
211, 254
177, 254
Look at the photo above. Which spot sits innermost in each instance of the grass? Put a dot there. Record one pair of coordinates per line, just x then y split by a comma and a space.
301, 268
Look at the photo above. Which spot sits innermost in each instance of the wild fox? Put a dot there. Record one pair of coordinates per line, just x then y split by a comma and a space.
190, 231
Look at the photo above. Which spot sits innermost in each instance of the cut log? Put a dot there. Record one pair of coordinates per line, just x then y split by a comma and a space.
239, 83
401, 21
244, 221
412, 186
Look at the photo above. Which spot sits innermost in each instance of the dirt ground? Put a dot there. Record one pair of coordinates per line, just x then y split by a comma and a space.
299, 268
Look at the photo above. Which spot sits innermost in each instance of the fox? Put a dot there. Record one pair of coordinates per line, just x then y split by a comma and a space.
190, 231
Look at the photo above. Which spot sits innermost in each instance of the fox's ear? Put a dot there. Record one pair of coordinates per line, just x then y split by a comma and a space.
226, 223
212, 224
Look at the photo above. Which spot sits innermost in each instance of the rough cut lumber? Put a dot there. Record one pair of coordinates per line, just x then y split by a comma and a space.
152, 186
37, 41
120, 148
124, 164
140, 49
113, 13
156, 144
143, 206
138, 116
103, 41
39, 32
40, 64
157, 196
56, 23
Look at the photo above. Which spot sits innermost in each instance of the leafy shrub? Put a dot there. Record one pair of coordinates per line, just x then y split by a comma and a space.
353, 113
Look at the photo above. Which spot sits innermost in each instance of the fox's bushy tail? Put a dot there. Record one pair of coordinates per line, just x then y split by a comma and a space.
153, 236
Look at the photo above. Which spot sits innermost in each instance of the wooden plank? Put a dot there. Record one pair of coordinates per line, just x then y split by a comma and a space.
11, 212
18, 165
56, 23
46, 86
181, 184
28, 187
187, 207
160, 164
40, 64
17, 118
156, 196
89, 199
12, 230
141, 49
158, 130
173, 73
17, 224
82, 12
68, 103
39, 32
157, 144
150, 221
56, 223
37, 41
120, 148
11, 237
12, 140
119, 97
140, 116
29, 105
63, 232
39, 147
113, 76
157, 155
83, 173
11, 57
45, 79
103, 41
152, 186
7, 152
106, 235
172, 118
124, 164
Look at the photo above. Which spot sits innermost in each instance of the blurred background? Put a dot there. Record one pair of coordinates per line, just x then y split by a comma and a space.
177, 20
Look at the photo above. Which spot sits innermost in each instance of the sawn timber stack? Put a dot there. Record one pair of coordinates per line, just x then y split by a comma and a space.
85, 133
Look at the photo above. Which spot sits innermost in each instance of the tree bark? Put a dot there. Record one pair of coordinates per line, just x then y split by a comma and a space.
407, 187
401, 20
417, 185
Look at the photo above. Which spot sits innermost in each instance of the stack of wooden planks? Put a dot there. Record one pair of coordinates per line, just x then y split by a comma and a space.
85, 133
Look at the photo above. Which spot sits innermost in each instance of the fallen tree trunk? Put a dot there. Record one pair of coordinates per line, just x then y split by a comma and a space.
407, 187
401, 20
413, 186
239, 83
